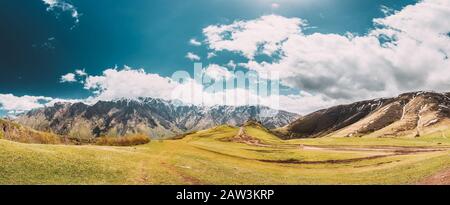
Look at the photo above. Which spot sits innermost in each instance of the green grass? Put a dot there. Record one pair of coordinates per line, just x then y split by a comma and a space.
429, 140
204, 157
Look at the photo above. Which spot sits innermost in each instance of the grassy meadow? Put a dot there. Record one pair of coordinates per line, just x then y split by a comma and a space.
212, 157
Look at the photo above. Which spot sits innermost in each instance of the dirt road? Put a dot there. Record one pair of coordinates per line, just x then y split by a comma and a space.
440, 178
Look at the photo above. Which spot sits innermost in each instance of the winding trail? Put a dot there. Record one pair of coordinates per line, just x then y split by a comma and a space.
383, 151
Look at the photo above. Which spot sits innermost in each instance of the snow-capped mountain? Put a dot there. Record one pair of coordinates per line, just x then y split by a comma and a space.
155, 117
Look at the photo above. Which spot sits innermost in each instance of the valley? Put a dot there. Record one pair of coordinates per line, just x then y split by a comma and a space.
213, 156
256, 92
401, 140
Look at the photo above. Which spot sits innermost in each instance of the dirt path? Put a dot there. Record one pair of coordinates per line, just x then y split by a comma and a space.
440, 178
293, 161
243, 137
185, 177
143, 177
387, 151
339, 161
241, 131
390, 149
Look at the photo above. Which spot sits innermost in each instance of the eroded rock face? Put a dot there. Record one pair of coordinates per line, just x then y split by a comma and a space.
414, 114
154, 117
15, 132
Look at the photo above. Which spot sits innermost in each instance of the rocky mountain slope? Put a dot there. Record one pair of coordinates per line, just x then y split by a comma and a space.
155, 117
15, 132
410, 114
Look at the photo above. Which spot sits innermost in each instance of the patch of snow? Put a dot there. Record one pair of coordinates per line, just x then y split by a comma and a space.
431, 122
404, 111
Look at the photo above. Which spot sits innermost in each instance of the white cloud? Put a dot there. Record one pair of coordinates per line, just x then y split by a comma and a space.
231, 64
304, 103
19, 104
131, 83
260, 36
211, 55
134, 83
194, 42
72, 77
386, 10
68, 78
128, 83
407, 51
217, 72
192, 56
53, 5
81, 72
275, 5
13, 103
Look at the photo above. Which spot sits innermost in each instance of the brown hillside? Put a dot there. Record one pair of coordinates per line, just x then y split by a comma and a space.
411, 114
15, 132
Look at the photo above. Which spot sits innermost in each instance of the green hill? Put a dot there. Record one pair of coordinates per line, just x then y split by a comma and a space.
213, 157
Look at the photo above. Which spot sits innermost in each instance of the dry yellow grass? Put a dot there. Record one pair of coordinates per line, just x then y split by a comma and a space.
129, 140
205, 158
18, 133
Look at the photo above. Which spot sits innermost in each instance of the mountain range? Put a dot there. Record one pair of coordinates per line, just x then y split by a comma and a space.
154, 117
411, 114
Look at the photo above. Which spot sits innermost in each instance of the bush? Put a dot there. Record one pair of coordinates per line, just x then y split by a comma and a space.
129, 140
44, 138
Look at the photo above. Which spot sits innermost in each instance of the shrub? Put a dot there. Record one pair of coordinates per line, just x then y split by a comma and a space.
129, 140
44, 138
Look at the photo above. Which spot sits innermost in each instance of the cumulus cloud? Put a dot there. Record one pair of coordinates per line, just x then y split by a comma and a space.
132, 83
81, 72
128, 83
406, 51
195, 42
13, 103
275, 5
211, 55
302, 103
217, 72
386, 10
135, 83
260, 36
192, 56
63, 6
68, 78
19, 104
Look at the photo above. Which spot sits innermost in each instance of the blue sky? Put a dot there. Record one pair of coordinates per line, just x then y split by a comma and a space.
41, 42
